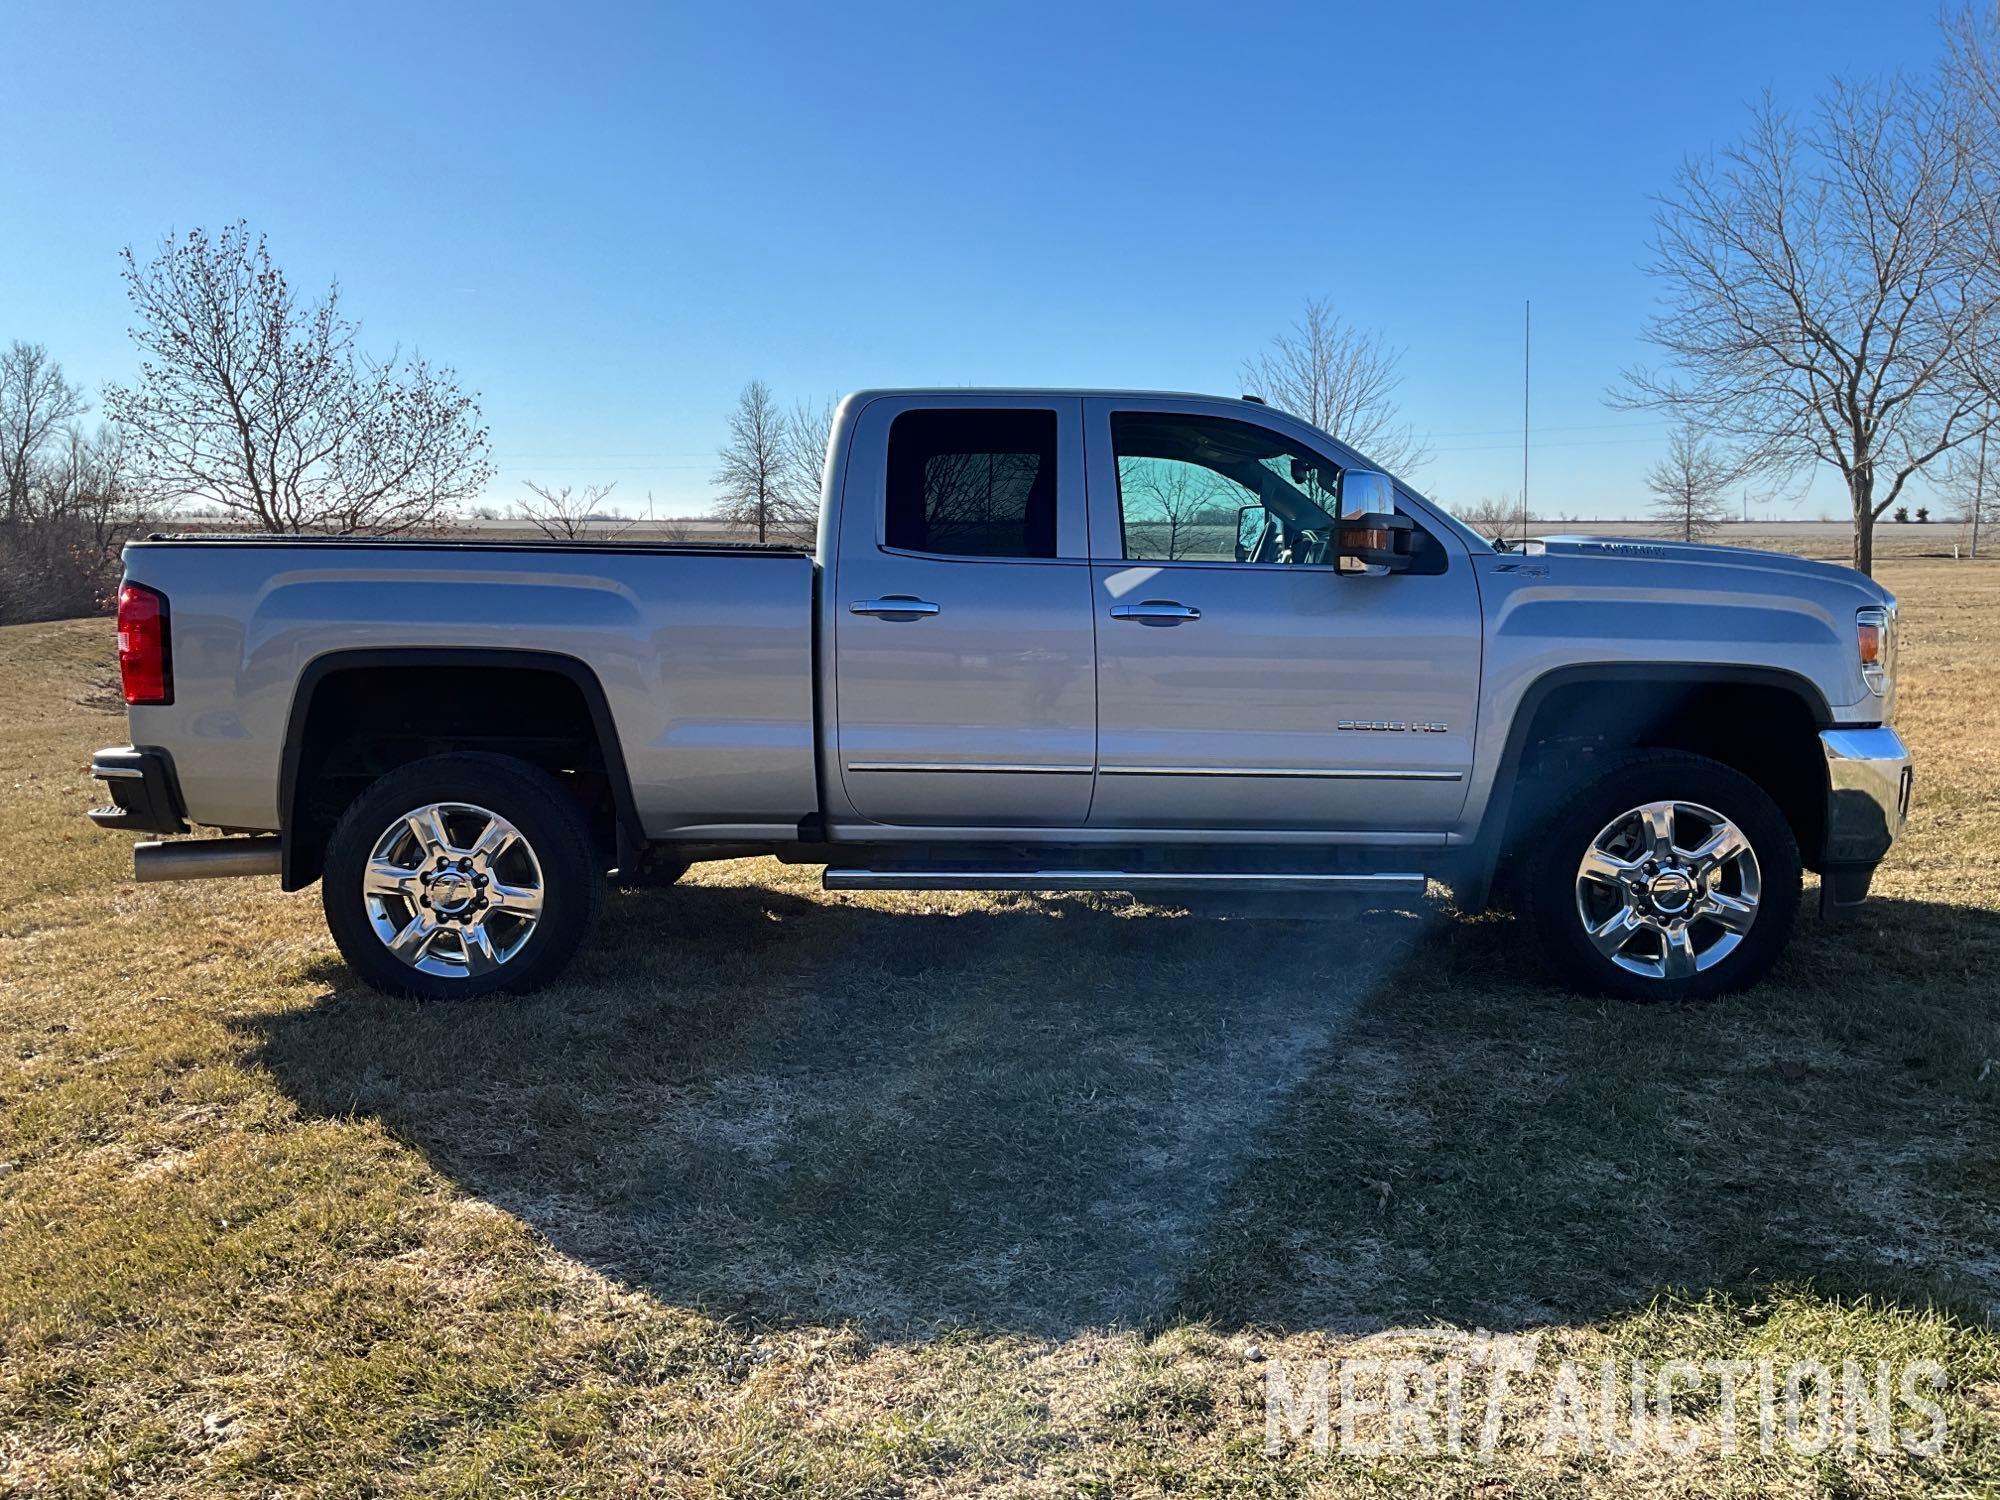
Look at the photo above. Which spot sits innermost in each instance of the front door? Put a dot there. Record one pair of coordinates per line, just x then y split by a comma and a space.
1246, 679
964, 691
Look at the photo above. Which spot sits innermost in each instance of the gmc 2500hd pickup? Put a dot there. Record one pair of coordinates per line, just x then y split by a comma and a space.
1051, 640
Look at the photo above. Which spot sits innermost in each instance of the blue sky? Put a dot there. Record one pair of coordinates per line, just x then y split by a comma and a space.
608, 217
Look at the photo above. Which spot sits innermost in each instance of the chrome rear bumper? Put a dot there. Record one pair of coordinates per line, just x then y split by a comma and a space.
1868, 785
145, 798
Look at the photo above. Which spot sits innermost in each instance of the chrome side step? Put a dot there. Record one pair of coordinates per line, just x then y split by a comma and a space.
1397, 883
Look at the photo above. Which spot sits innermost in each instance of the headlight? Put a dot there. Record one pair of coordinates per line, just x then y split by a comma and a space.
1875, 639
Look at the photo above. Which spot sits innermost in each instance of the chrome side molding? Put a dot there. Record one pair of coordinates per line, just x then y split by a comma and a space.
1313, 773
980, 768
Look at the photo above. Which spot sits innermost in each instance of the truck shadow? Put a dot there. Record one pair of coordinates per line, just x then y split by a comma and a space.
1047, 1114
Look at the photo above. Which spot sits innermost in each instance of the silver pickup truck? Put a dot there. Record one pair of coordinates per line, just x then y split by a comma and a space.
1050, 640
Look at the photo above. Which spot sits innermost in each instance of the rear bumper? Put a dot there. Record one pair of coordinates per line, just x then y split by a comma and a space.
145, 796
1869, 781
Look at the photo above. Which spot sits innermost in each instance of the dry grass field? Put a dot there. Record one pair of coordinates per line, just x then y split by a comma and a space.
783, 1192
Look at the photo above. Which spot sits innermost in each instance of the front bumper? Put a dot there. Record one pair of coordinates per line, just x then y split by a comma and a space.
145, 796
1868, 785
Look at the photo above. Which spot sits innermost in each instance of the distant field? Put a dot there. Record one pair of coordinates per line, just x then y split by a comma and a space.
1832, 541
790, 1193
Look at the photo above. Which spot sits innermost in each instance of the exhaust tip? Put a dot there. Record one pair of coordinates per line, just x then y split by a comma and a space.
206, 859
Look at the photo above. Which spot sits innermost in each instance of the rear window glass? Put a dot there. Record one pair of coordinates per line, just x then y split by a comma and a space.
973, 483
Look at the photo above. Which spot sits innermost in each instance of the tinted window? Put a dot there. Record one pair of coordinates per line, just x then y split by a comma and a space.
1206, 489
974, 483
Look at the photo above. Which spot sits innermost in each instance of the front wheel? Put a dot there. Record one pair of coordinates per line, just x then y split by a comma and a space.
458, 876
1668, 877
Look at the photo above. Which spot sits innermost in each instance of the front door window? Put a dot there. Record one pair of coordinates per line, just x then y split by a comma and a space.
1207, 489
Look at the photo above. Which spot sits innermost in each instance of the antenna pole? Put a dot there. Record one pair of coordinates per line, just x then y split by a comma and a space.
1979, 495
1527, 338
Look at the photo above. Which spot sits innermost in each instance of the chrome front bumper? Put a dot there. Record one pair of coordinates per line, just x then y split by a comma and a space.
1868, 785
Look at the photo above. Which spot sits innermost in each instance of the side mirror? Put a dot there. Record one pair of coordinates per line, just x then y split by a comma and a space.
1379, 539
1370, 530
1365, 490
1249, 531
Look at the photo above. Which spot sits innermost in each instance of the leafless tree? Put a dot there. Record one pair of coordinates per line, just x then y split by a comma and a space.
1492, 516
252, 401
1343, 380
1969, 482
754, 471
568, 514
59, 555
37, 401
808, 433
1688, 487
1175, 509
1972, 68
1831, 293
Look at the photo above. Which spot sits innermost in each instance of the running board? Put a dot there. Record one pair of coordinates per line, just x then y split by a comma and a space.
849, 879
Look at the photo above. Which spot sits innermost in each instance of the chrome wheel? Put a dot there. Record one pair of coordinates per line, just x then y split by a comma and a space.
453, 890
1668, 889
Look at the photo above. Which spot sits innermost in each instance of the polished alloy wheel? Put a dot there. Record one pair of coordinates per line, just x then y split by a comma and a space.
453, 890
1668, 889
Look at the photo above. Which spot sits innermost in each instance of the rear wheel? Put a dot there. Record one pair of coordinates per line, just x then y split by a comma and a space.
1668, 877
459, 876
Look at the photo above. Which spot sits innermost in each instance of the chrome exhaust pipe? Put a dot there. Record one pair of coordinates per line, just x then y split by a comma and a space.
205, 859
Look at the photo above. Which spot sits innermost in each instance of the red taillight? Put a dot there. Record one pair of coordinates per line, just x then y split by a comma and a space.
143, 662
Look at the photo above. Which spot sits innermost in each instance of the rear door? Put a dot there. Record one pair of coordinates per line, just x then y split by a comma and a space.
964, 651
1246, 679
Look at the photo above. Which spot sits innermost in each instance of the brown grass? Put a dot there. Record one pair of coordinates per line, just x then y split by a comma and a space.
790, 1192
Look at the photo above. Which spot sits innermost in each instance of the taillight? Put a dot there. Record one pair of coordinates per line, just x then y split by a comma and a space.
144, 663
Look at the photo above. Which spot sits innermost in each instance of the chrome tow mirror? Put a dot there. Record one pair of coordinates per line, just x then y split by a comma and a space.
1370, 530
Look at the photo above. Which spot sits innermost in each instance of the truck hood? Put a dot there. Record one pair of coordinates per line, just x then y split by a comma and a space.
1730, 562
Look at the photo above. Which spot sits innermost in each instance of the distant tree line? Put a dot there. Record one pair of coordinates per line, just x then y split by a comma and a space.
71, 497
249, 404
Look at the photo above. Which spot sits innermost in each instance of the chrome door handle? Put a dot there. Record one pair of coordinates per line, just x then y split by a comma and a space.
893, 607
1156, 612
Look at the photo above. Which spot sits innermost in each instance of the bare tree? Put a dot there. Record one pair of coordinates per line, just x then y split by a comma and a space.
571, 515
1342, 380
1177, 509
1688, 487
1970, 481
1491, 515
755, 473
59, 555
249, 400
807, 436
1972, 70
37, 401
1831, 293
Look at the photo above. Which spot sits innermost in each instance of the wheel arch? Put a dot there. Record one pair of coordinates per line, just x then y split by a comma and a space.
303, 842
1633, 705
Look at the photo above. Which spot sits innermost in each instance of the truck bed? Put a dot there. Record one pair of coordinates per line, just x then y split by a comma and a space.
702, 653
520, 544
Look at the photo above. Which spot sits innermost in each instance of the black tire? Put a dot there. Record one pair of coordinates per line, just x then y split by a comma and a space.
568, 871
1556, 910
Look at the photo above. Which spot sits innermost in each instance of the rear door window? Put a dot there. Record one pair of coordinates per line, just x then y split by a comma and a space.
972, 483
